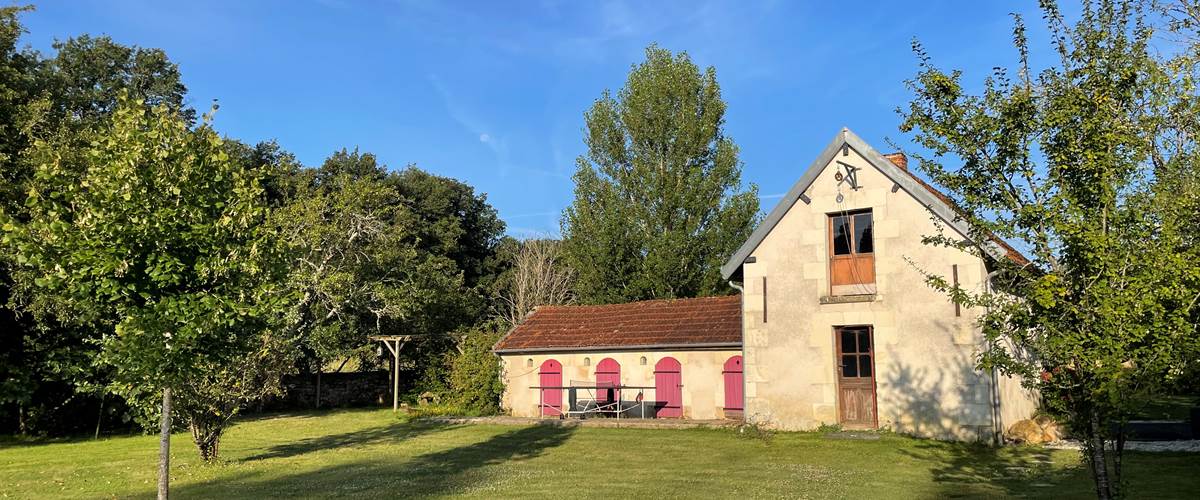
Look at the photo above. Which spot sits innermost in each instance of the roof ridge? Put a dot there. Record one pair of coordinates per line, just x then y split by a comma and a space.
636, 302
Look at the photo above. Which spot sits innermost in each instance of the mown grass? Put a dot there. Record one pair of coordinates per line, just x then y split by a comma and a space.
370, 453
1168, 408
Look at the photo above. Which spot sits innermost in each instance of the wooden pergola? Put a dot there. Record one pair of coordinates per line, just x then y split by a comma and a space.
394, 343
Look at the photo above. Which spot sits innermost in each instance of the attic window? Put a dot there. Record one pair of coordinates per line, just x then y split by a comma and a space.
852, 233
851, 253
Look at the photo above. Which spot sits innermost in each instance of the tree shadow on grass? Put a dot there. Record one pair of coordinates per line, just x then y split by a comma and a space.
962, 469
254, 416
433, 474
366, 437
451, 470
952, 400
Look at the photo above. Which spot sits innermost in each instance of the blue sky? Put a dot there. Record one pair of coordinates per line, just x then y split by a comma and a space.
493, 93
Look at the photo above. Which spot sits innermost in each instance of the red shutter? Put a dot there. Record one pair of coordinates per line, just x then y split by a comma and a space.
551, 376
608, 374
668, 388
733, 383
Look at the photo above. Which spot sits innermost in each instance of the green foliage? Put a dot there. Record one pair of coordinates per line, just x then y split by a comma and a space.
658, 202
47, 363
209, 400
475, 382
1085, 164
87, 77
152, 229
381, 253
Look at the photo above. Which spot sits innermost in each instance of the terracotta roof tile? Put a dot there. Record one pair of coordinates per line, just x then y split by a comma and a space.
682, 322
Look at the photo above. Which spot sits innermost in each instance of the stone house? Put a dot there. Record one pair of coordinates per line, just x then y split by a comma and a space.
837, 325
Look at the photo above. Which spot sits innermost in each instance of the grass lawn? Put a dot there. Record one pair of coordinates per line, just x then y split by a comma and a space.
369, 453
1169, 408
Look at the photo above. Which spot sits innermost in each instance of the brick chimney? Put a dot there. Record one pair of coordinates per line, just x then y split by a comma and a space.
899, 159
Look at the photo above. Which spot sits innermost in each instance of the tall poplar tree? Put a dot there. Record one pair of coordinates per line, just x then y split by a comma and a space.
659, 203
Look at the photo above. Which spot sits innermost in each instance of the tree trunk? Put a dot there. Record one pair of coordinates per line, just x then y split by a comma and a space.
99, 417
1118, 450
164, 447
318, 405
1097, 459
207, 436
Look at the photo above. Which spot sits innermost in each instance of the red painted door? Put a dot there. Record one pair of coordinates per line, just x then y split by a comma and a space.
733, 383
551, 376
608, 374
668, 388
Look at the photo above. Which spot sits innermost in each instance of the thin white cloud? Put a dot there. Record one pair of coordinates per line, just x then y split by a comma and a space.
469, 122
771, 196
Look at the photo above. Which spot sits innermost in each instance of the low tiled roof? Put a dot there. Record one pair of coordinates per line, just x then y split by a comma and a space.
702, 322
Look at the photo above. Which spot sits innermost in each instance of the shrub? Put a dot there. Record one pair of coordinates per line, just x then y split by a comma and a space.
475, 383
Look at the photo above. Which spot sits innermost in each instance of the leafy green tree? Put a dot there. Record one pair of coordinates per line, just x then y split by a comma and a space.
17, 86
455, 222
46, 363
658, 201
1077, 162
475, 383
358, 268
87, 76
18, 380
155, 231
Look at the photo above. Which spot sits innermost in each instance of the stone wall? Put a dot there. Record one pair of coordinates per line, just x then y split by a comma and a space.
701, 376
337, 390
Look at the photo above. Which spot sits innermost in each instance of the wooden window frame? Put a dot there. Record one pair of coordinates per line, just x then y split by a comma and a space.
853, 244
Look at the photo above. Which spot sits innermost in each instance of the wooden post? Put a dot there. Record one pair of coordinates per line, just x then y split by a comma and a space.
395, 349
395, 372
396, 378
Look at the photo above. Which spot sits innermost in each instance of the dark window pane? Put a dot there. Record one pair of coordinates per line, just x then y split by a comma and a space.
848, 341
864, 341
864, 366
850, 366
863, 238
841, 235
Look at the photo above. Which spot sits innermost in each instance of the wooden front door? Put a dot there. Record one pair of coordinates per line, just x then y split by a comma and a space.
856, 376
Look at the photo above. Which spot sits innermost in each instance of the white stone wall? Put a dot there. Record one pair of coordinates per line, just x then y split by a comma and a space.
703, 382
